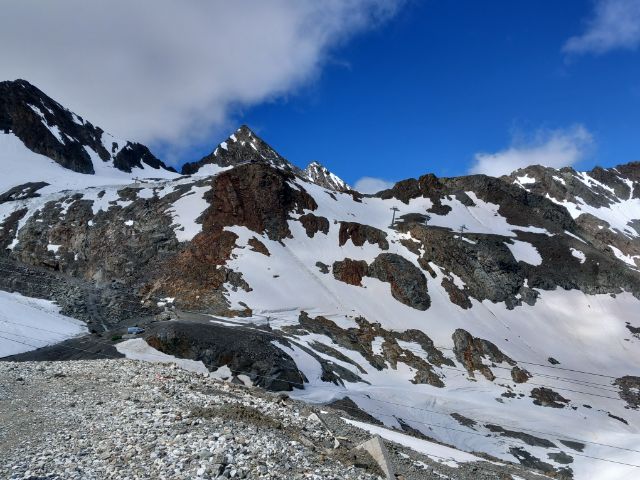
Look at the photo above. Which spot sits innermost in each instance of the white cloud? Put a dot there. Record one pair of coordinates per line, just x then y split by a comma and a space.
169, 71
551, 148
614, 25
372, 185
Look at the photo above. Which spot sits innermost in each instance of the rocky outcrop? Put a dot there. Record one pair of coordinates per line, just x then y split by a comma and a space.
313, 224
470, 352
22, 192
350, 271
255, 196
629, 390
362, 338
546, 397
359, 234
257, 246
408, 283
244, 351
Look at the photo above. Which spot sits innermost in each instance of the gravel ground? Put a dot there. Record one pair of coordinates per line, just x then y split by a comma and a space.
108, 419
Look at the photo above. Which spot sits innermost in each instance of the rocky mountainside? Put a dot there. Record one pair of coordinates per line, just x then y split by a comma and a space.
244, 146
47, 128
496, 315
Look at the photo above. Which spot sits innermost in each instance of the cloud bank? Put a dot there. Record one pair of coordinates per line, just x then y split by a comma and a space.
169, 71
372, 185
550, 148
614, 25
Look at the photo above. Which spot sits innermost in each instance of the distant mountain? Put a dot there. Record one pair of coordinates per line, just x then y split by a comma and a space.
244, 146
320, 175
497, 315
36, 131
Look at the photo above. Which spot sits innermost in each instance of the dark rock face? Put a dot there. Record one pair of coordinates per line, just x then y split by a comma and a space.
22, 192
359, 234
318, 174
408, 283
313, 224
31, 115
489, 271
257, 246
350, 271
244, 146
598, 188
135, 155
528, 460
255, 196
245, 351
548, 398
525, 437
470, 351
629, 387
519, 375
100, 306
361, 340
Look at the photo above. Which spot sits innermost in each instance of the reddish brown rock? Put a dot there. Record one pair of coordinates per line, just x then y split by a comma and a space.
257, 246
359, 234
313, 224
350, 271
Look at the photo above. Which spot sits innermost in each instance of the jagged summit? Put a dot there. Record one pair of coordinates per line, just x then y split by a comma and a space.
320, 175
47, 128
242, 146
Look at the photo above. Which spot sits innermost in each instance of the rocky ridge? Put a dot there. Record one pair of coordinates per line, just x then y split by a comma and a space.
47, 128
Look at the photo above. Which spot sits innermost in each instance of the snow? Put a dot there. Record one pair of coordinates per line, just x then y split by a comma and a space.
628, 259
584, 332
28, 323
138, 349
210, 169
186, 210
435, 451
525, 252
53, 248
578, 254
526, 180
20, 165
618, 215
129, 223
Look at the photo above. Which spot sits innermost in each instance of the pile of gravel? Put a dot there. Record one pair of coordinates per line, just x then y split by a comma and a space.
108, 419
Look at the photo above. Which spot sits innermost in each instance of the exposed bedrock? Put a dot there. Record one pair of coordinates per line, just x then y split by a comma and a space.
629, 390
361, 339
314, 224
408, 283
359, 234
247, 352
471, 351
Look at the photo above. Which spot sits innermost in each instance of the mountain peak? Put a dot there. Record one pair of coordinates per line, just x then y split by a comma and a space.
47, 128
242, 146
320, 175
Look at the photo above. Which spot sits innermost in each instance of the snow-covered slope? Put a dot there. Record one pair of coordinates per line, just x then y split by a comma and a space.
28, 323
41, 142
497, 316
320, 175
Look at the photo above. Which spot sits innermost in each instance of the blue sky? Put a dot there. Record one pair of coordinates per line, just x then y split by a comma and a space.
387, 89
446, 79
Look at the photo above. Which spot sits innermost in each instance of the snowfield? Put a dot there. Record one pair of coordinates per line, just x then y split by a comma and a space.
30, 323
